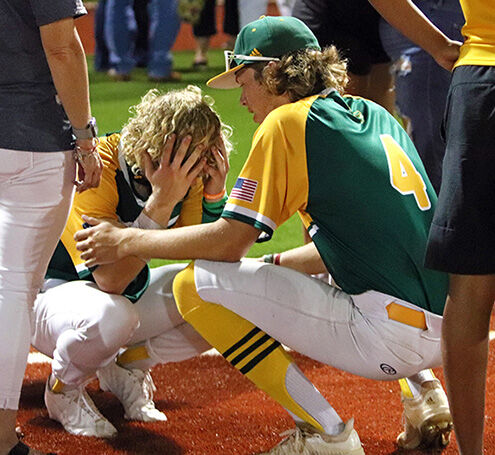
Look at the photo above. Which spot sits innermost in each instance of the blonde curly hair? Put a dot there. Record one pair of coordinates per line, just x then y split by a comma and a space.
304, 73
181, 112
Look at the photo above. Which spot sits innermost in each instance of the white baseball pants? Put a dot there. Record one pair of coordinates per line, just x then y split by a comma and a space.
352, 333
83, 328
251, 10
35, 197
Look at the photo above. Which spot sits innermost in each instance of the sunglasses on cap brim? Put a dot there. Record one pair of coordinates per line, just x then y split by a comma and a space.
231, 57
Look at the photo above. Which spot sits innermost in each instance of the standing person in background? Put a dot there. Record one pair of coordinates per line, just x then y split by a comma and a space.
43, 91
120, 37
462, 240
352, 27
101, 58
250, 10
142, 17
205, 28
138, 21
421, 85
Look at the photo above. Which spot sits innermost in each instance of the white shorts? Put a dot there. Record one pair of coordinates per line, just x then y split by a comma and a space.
352, 333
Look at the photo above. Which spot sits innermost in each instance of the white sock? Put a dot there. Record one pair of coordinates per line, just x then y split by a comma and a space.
312, 401
416, 381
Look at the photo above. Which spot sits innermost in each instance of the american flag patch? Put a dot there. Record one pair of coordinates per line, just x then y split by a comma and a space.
244, 189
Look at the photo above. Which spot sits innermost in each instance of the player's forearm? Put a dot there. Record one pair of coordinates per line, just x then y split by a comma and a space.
218, 241
408, 19
114, 278
67, 62
305, 259
158, 212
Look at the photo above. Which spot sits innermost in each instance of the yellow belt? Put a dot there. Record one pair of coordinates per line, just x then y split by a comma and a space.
405, 315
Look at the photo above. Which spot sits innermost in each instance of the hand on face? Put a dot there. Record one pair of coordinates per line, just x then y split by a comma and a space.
171, 180
103, 243
215, 176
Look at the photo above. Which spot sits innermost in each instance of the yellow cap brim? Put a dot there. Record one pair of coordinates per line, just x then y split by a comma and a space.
225, 80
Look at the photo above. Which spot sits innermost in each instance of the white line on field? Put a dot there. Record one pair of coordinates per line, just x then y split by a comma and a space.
38, 357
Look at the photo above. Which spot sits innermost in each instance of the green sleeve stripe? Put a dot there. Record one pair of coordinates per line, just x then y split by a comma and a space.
248, 220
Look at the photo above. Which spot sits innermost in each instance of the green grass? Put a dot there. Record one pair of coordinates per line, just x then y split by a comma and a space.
111, 100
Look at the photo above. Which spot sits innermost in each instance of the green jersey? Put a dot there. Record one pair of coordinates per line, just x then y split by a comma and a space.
354, 176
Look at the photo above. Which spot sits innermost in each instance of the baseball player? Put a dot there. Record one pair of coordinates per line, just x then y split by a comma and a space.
352, 173
84, 316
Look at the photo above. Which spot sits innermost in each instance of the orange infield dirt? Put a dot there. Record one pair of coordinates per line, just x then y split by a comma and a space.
213, 410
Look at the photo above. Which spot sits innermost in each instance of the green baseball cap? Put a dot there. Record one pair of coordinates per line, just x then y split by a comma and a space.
266, 39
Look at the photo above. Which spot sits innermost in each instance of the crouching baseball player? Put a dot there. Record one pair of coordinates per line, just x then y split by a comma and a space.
356, 180
150, 181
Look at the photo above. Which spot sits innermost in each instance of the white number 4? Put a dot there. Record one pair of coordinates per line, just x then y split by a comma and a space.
403, 175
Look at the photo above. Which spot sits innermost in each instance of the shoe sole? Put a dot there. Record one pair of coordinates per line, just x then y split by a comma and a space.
434, 434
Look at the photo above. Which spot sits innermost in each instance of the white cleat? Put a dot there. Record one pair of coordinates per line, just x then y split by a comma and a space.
77, 413
427, 419
134, 389
307, 441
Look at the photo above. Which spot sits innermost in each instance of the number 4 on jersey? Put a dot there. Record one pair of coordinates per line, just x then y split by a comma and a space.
403, 175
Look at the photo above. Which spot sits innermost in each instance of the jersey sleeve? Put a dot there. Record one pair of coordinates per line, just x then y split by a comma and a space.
49, 11
195, 209
273, 184
99, 202
191, 209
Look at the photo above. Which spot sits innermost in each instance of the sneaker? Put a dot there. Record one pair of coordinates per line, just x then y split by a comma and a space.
305, 440
77, 413
174, 76
134, 389
427, 419
200, 65
118, 77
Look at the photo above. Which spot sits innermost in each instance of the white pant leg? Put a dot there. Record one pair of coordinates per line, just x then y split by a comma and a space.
285, 7
81, 328
317, 319
35, 197
168, 337
251, 10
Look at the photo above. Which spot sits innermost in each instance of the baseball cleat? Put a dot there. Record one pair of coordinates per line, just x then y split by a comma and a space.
427, 419
304, 440
134, 389
77, 413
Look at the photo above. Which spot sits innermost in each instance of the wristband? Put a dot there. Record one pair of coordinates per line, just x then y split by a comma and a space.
214, 197
143, 221
88, 132
272, 258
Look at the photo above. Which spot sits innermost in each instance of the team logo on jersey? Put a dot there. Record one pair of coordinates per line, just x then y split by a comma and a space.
387, 369
244, 189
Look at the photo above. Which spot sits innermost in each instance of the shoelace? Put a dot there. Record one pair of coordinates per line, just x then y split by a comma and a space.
293, 441
90, 406
140, 385
148, 386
